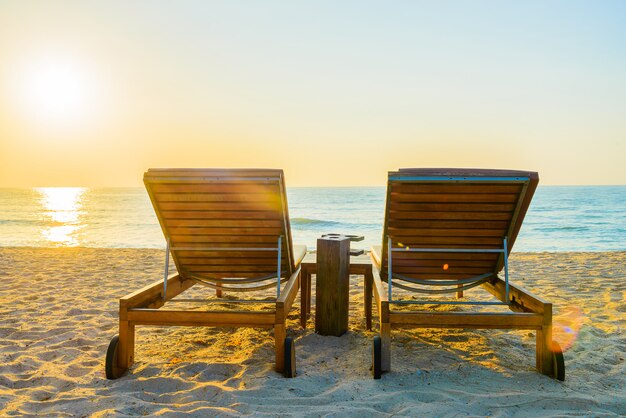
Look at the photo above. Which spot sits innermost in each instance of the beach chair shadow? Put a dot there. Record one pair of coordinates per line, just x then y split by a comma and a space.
227, 229
447, 231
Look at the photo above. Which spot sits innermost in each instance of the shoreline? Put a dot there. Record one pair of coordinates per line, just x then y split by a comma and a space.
59, 310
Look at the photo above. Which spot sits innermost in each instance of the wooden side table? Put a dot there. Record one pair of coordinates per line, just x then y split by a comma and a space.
332, 295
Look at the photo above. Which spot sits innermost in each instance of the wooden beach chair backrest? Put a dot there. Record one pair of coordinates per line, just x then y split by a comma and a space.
223, 225
453, 209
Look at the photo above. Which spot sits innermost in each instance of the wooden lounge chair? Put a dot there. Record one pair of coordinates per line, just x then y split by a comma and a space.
228, 230
446, 231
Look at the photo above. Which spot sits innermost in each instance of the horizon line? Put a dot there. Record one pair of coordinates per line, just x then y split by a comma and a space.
294, 187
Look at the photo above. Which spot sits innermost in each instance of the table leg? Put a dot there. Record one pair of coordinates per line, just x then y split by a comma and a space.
367, 293
304, 296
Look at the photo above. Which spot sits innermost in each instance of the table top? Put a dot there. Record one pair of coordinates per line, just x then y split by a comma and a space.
310, 260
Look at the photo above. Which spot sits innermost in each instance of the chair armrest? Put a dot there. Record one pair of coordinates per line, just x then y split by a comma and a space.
381, 297
287, 296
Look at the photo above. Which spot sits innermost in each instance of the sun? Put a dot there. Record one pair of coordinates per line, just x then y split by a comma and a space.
55, 90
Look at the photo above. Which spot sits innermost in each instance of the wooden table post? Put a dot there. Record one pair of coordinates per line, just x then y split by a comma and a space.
332, 285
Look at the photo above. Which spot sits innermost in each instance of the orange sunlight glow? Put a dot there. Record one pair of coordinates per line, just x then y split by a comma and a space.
567, 325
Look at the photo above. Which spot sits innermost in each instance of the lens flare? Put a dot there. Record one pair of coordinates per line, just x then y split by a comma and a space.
566, 326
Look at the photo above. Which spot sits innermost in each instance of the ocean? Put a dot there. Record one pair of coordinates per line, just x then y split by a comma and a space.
561, 218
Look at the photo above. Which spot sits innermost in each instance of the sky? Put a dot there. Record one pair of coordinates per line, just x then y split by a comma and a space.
92, 93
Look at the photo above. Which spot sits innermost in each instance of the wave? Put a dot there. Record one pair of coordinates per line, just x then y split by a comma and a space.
563, 228
318, 225
312, 222
21, 222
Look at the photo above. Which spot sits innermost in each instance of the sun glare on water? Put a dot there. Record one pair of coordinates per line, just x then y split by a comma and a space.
62, 207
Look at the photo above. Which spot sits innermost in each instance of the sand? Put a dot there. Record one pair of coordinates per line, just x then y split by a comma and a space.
58, 311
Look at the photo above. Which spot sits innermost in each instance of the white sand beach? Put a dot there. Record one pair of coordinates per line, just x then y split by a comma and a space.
58, 312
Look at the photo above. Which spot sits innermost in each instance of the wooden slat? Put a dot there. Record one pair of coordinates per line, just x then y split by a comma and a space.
426, 240
244, 239
456, 246
455, 188
223, 269
445, 232
444, 256
454, 198
201, 245
432, 276
438, 276
222, 261
439, 270
472, 216
168, 214
274, 232
237, 265
216, 197
452, 207
439, 263
223, 188
462, 172
220, 206
259, 268
223, 223
211, 172
225, 274
204, 180
234, 255
451, 224
435, 276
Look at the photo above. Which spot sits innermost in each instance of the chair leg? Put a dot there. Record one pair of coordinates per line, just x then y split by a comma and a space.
304, 287
459, 293
385, 335
126, 350
218, 293
544, 342
279, 342
544, 350
367, 303
308, 292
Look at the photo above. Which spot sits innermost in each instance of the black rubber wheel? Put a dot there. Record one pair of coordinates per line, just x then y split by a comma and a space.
110, 363
558, 362
290, 358
377, 353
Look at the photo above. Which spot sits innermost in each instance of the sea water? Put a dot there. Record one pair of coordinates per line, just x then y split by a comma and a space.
560, 218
